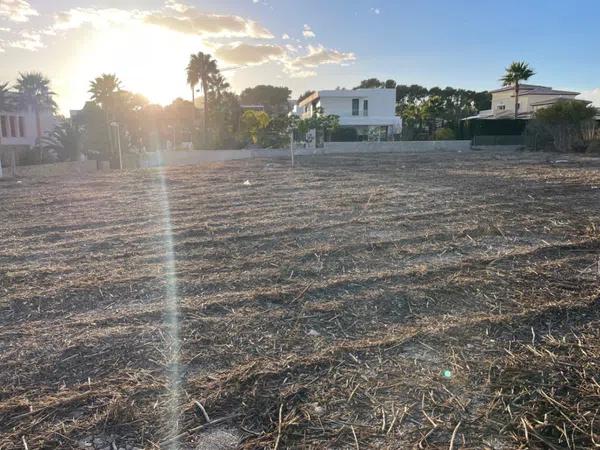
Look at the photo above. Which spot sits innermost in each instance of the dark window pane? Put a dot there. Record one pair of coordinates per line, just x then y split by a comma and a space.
21, 126
13, 126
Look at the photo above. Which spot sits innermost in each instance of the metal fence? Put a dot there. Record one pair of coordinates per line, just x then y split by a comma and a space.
498, 140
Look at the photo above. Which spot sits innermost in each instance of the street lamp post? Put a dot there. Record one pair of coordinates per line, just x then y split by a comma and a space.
116, 125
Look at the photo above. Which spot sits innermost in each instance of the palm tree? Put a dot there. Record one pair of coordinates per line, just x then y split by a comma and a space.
515, 73
105, 91
200, 70
219, 85
34, 92
65, 140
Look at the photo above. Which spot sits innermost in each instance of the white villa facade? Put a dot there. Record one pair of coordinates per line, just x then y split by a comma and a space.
361, 109
19, 128
531, 99
18, 132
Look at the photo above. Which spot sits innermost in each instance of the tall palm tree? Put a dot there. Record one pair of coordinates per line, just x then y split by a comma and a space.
105, 91
515, 73
34, 92
219, 85
200, 70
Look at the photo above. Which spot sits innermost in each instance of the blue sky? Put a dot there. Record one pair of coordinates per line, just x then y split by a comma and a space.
306, 44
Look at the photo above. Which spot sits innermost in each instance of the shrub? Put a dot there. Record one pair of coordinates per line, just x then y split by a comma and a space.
444, 134
594, 147
570, 123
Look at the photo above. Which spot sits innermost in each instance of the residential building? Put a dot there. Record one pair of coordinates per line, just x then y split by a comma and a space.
19, 127
18, 132
365, 110
532, 98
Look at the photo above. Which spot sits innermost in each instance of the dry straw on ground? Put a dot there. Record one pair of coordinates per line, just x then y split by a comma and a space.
446, 300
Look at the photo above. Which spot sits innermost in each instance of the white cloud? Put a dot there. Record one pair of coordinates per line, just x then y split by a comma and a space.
303, 74
192, 21
295, 64
29, 41
319, 55
592, 95
77, 17
307, 32
16, 10
249, 54
285, 36
177, 6
376, 11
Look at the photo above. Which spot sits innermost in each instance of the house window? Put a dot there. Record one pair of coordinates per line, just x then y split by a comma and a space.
13, 126
365, 107
22, 126
4, 126
355, 103
501, 107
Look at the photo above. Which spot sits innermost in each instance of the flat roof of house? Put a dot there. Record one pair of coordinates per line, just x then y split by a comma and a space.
534, 89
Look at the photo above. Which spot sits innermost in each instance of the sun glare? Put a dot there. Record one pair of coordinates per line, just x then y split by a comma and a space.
148, 60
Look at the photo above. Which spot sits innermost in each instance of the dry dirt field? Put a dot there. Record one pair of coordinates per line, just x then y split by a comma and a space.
441, 300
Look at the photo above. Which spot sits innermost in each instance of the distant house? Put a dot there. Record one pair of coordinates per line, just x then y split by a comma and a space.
498, 124
19, 127
18, 132
531, 99
364, 110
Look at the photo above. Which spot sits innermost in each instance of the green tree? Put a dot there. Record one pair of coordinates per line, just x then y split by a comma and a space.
371, 83
105, 91
218, 85
254, 123
570, 123
432, 111
226, 117
390, 84
274, 99
34, 92
65, 140
95, 140
515, 73
200, 70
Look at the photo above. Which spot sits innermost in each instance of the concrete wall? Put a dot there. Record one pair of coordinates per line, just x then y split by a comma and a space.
64, 169
183, 158
398, 146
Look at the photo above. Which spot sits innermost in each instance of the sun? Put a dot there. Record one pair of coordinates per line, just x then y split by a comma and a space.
147, 59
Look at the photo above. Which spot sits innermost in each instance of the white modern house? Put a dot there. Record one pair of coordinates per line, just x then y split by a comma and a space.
531, 99
362, 109
19, 131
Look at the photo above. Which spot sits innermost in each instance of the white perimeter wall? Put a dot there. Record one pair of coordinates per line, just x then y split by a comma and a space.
182, 158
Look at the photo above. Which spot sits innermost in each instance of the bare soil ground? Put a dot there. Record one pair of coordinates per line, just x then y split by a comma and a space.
441, 300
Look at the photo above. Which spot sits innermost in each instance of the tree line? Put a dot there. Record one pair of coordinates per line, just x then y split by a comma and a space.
430, 113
